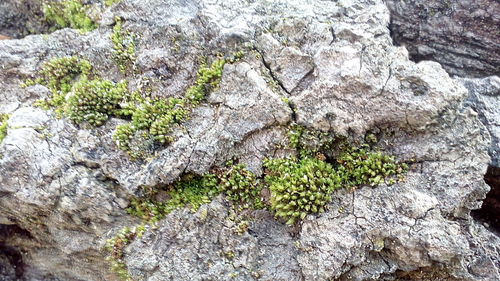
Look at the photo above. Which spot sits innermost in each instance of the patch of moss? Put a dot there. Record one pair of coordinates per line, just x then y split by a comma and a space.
154, 118
242, 186
116, 245
359, 166
300, 187
69, 13
84, 97
191, 191
4, 118
123, 46
95, 100
59, 75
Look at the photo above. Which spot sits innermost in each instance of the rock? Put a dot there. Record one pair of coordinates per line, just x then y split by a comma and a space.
484, 98
461, 35
329, 66
208, 245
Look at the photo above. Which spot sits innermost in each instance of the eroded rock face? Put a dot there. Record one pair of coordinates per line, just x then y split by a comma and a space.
462, 35
329, 66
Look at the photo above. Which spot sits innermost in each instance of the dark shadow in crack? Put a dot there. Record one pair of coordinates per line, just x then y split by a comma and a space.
489, 213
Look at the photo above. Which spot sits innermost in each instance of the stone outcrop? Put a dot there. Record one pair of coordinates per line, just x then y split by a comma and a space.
329, 66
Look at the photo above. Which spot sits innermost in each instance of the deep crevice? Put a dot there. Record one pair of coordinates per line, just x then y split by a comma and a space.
489, 213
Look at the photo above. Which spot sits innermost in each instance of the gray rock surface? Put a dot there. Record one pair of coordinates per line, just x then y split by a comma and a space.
484, 98
330, 66
461, 35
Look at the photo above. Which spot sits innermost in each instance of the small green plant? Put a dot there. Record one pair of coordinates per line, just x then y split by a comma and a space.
4, 118
69, 13
123, 46
300, 187
95, 100
59, 75
116, 245
360, 166
242, 186
208, 78
154, 118
191, 191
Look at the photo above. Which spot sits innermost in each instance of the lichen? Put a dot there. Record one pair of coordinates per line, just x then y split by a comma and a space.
69, 13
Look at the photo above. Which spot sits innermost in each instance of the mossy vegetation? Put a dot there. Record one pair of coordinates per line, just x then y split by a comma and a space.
242, 186
123, 46
82, 96
190, 191
4, 118
116, 245
94, 101
154, 118
69, 13
300, 186
59, 75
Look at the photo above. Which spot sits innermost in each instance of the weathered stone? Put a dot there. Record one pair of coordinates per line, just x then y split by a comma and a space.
330, 66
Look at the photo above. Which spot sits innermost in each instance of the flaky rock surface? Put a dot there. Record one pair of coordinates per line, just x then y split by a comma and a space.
330, 66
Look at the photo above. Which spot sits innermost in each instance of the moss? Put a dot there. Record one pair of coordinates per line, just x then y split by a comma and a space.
116, 246
191, 191
208, 78
242, 186
59, 75
69, 13
95, 100
4, 118
155, 118
300, 187
359, 166
123, 46
82, 97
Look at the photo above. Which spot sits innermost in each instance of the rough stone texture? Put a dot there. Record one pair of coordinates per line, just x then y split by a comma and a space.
463, 35
484, 98
329, 66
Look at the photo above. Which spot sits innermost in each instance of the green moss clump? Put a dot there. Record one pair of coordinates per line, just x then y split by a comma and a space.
4, 118
154, 118
360, 166
300, 187
116, 245
95, 100
69, 13
242, 186
191, 191
123, 46
208, 78
59, 75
